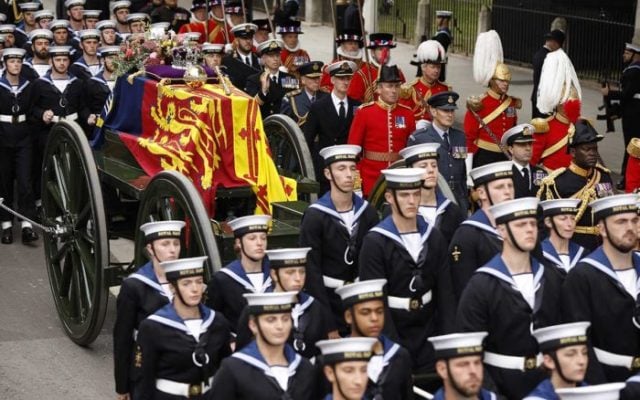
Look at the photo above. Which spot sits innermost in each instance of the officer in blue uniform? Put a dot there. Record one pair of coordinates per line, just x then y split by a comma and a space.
560, 220
565, 357
459, 365
602, 289
389, 368
526, 177
296, 104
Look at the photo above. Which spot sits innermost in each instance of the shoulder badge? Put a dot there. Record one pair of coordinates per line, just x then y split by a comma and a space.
603, 168
293, 93
363, 105
474, 103
406, 90
541, 125
456, 254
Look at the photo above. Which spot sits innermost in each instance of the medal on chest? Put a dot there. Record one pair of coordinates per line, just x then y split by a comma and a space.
400, 122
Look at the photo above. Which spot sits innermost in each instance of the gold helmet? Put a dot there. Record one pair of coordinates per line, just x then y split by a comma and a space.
502, 72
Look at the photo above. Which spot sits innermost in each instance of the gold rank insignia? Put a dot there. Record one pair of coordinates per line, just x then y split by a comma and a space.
137, 362
450, 100
456, 253
316, 67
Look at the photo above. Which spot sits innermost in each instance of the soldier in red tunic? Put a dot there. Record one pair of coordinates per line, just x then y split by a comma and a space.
292, 55
214, 31
350, 46
362, 86
632, 177
430, 56
489, 116
381, 128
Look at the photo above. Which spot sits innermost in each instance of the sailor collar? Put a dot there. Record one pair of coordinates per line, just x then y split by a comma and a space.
235, 271
47, 77
497, 268
389, 349
251, 355
98, 77
480, 220
387, 228
325, 204
550, 253
22, 83
83, 63
147, 276
442, 202
484, 395
599, 260
168, 316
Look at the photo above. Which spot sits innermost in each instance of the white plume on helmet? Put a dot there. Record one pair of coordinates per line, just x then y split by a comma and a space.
556, 79
488, 54
430, 50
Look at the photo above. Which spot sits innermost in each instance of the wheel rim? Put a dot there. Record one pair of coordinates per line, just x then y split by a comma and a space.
170, 195
77, 254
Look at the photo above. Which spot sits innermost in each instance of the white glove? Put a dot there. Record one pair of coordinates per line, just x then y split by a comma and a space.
228, 48
469, 163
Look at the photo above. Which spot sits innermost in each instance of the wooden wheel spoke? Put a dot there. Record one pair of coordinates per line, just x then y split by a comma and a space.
60, 253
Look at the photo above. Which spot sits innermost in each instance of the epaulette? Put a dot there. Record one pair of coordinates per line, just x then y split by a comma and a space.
363, 105
633, 148
603, 168
541, 125
404, 106
293, 93
474, 103
548, 181
449, 87
517, 102
406, 90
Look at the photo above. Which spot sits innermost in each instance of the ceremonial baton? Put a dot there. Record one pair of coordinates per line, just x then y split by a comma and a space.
366, 51
266, 10
244, 12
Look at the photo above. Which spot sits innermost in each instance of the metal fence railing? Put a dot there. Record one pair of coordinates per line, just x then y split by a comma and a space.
397, 17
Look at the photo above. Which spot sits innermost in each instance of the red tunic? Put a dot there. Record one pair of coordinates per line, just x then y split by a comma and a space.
382, 131
507, 119
292, 60
550, 148
632, 174
362, 85
416, 94
216, 32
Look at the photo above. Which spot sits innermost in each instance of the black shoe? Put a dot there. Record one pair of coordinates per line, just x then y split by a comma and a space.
28, 235
7, 236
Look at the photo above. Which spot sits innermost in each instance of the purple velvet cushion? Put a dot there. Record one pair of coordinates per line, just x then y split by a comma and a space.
167, 71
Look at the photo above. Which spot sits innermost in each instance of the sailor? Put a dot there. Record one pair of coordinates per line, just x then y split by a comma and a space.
345, 365
389, 369
452, 152
560, 220
184, 342
267, 368
443, 33
459, 365
271, 85
89, 64
476, 241
208, 28
431, 57
120, 12
248, 274
602, 289
363, 84
43, 18
91, 18
411, 255
493, 113
15, 146
349, 46
101, 86
334, 227
212, 54
435, 208
38, 65
508, 297
526, 177
108, 33
141, 294
75, 9
8, 31
585, 179
138, 23
381, 128
564, 348
28, 20
62, 37
607, 391
292, 55
553, 133
296, 104
243, 61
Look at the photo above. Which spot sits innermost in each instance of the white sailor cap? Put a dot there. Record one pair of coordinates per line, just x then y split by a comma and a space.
607, 391
250, 223
191, 37
524, 207
244, 30
89, 34
340, 152
444, 13
72, 3
632, 47
269, 46
137, 17
106, 24
559, 206
183, 268
346, 349
40, 34
212, 48
30, 6
418, 152
522, 133
458, 345
105, 51
404, 178
55, 51
361, 291
160, 26
491, 172
117, 5
161, 230
58, 24
3, 17
43, 14
270, 303
2, 38
86, 14
13, 52
7, 28
342, 68
291, 257
611, 205
556, 336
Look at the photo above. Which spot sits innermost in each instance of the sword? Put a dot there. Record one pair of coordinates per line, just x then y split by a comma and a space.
266, 10
489, 131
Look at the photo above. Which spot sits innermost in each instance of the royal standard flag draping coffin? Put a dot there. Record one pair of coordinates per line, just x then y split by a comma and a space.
213, 138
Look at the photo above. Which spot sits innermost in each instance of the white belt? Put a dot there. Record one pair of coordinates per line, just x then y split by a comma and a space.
409, 303
135, 335
70, 117
182, 389
617, 360
332, 283
636, 96
512, 362
13, 118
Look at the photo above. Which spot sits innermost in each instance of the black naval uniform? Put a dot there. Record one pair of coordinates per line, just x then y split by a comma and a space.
15, 147
81, 69
448, 216
176, 16
278, 87
227, 287
423, 285
140, 296
564, 183
170, 352
238, 70
527, 186
246, 376
308, 326
98, 90
394, 380
296, 104
333, 259
491, 302
632, 389
593, 292
473, 244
